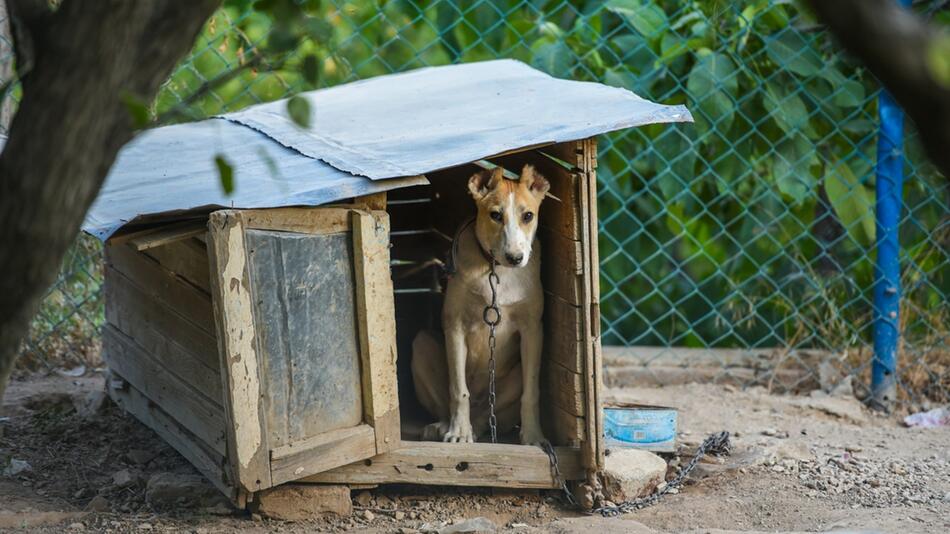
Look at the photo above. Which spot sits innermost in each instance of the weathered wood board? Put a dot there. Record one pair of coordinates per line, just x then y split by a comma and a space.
304, 293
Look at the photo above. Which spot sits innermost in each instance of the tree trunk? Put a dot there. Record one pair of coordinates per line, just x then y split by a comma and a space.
81, 60
895, 43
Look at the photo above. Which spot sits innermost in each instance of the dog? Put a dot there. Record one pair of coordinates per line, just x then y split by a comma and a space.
451, 373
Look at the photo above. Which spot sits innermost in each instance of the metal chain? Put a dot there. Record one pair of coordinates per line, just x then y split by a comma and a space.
716, 444
558, 479
492, 316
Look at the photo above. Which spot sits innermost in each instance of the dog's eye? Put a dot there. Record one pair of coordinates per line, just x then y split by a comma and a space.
527, 217
495, 216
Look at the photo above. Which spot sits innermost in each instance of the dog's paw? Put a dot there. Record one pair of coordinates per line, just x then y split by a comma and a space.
532, 436
435, 431
460, 431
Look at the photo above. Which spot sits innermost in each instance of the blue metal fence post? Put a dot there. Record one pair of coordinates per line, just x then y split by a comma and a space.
887, 273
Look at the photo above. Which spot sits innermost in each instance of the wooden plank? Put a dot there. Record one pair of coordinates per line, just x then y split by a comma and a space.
567, 389
562, 280
162, 285
237, 346
194, 411
307, 332
161, 333
459, 464
209, 462
567, 251
126, 297
167, 234
570, 430
188, 259
323, 452
141, 231
377, 325
593, 450
375, 201
562, 333
303, 220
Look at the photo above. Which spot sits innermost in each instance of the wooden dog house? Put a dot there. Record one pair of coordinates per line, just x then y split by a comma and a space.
266, 335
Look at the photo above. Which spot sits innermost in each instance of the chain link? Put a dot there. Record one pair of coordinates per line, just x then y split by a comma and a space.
492, 316
716, 444
556, 470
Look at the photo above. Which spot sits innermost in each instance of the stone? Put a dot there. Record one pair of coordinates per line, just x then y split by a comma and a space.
173, 490
98, 504
473, 525
632, 473
76, 526
145, 526
599, 525
846, 408
399, 516
16, 467
364, 498
298, 502
368, 515
123, 478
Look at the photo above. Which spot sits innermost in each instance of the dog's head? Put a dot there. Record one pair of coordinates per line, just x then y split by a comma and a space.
508, 213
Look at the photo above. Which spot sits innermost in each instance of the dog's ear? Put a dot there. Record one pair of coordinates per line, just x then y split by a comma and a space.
534, 182
485, 181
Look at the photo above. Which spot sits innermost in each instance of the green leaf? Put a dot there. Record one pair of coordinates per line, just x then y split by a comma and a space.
225, 174
849, 95
298, 108
852, 202
647, 18
938, 60
282, 40
788, 110
634, 51
553, 57
711, 82
272, 167
137, 110
318, 29
311, 69
791, 50
791, 168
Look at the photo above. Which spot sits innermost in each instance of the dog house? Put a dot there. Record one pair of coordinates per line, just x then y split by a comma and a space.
266, 335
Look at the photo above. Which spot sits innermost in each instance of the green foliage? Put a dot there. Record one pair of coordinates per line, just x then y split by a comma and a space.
713, 234
225, 174
298, 108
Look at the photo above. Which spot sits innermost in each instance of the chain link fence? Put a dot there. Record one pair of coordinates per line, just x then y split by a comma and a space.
737, 250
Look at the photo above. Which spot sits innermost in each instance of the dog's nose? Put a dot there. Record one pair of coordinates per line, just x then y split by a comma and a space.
514, 259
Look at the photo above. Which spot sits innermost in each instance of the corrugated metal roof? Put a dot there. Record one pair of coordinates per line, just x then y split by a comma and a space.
439, 117
364, 137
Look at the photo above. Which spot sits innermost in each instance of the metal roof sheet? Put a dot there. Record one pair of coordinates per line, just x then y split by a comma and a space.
438, 117
370, 136
169, 173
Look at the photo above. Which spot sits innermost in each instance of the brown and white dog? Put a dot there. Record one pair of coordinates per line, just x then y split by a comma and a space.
451, 377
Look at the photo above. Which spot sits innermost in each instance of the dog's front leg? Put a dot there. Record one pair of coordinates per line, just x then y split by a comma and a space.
531, 343
460, 421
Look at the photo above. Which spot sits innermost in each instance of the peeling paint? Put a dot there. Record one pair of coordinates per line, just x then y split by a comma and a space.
244, 379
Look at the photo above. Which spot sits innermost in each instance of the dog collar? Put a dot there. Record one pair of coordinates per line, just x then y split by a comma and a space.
452, 265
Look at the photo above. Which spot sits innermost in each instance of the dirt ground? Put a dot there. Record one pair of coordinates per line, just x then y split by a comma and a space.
70, 461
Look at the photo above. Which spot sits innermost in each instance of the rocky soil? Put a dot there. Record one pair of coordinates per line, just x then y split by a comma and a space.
70, 461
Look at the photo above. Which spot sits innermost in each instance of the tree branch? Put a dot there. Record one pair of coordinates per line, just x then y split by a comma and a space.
895, 43
68, 129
